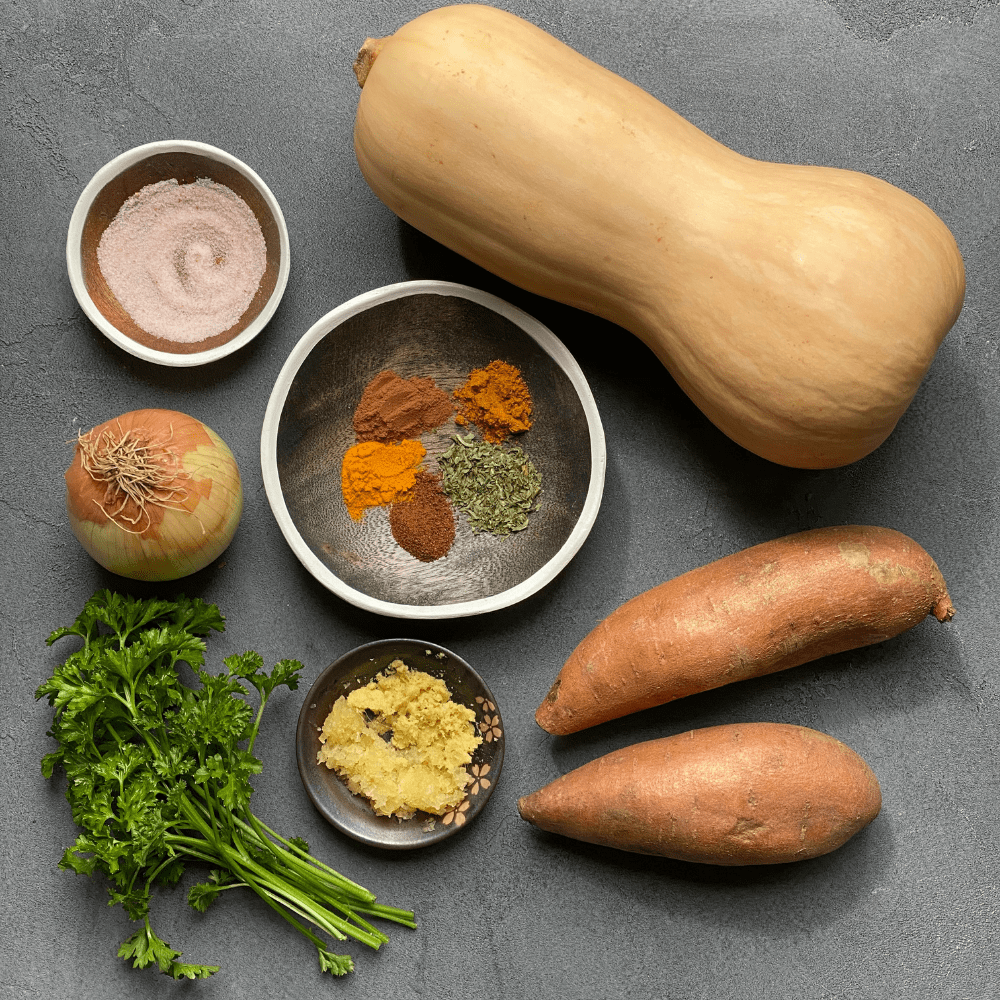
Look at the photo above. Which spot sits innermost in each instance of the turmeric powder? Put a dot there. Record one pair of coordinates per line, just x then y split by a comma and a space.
375, 474
496, 399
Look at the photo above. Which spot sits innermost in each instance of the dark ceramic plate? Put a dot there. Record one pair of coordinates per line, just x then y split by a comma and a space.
444, 331
351, 813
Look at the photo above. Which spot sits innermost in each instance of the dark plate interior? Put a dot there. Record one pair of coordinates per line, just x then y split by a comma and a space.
350, 813
444, 337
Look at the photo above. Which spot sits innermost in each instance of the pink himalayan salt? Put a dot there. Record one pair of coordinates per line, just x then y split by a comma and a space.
184, 260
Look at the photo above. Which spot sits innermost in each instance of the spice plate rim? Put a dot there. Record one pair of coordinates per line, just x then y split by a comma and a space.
533, 328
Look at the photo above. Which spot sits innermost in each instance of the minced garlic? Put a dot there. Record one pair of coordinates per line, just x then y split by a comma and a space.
401, 742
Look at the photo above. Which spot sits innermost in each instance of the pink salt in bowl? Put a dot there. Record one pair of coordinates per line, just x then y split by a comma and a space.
127, 179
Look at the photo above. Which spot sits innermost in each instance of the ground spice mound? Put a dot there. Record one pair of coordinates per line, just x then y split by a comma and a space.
393, 408
401, 742
496, 399
375, 475
423, 521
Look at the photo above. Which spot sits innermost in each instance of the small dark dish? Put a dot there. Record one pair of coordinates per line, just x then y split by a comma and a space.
351, 813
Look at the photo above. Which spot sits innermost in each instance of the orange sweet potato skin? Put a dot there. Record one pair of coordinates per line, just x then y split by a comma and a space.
767, 608
743, 794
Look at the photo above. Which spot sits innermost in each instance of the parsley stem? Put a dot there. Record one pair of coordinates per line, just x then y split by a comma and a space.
159, 774
299, 860
394, 913
239, 862
256, 724
295, 849
344, 962
191, 846
330, 922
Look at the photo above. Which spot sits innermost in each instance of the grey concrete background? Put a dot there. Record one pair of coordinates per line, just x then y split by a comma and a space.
908, 909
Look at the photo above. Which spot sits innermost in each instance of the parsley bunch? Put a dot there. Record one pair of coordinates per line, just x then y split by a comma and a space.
158, 773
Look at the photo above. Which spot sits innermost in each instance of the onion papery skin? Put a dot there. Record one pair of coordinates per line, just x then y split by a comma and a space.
173, 543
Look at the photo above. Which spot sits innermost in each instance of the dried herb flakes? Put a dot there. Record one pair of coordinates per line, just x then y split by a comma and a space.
496, 487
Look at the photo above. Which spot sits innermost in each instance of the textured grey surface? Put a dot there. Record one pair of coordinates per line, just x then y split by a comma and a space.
908, 909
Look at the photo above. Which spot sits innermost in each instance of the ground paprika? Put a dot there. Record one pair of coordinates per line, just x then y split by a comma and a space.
497, 400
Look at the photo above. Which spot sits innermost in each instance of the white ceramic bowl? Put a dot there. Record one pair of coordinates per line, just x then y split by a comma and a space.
444, 331
96, 208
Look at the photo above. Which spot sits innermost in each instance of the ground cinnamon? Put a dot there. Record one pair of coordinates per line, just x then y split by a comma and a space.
423, 521
393, 408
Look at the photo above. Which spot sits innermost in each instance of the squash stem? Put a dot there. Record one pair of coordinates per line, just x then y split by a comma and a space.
367, 55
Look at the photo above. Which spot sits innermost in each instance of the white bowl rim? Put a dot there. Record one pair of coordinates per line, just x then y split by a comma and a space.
75, 266
546, 339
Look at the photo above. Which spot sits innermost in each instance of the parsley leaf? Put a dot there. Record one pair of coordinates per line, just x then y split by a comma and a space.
159, 773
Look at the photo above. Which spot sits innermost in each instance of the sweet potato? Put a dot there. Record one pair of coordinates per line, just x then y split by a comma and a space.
743, 794
764, 609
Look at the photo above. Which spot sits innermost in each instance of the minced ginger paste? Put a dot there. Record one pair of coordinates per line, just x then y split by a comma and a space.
401, 742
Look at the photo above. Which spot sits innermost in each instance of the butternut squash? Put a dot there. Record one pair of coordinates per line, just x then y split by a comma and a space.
798, 306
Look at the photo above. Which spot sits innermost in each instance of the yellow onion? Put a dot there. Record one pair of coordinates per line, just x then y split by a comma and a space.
153, 494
